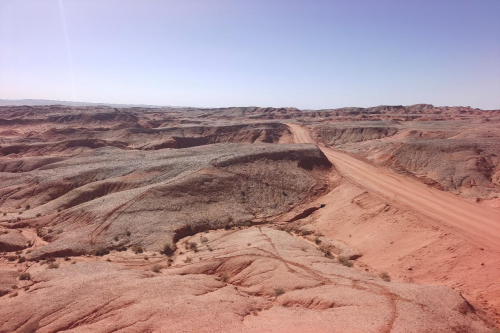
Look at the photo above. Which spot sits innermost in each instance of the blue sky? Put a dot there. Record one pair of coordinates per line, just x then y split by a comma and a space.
307, 54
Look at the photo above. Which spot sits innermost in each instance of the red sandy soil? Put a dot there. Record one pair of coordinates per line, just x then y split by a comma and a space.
249, 280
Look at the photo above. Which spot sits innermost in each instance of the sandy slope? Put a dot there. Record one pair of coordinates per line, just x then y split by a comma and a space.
255, 279
471, 220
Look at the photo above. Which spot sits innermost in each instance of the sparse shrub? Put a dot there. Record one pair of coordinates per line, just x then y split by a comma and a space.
209, 248
167, 250
4, 214
248, 224
203, 240
279, 291
28, 207
67, 259
128, 233
24, 276
11, 258
157, 268
73, 262
21, 260
116, 238
137, 249
224, 277
14, 294
18, 219
227, 226
53, 265
248, 244
317, 240
101, 252
193, 246
305, 232
121, 249
385, 276
344, 261
304, 249
188, 260
38, 215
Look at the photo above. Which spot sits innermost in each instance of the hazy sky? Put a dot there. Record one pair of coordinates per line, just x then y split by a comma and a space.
307, 54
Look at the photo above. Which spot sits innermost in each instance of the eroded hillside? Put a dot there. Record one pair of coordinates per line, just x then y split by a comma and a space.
137, 219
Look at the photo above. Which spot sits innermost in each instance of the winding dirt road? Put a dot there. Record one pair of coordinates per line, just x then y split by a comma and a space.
471, 220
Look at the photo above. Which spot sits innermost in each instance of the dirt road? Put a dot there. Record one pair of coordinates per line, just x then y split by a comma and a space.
471, 220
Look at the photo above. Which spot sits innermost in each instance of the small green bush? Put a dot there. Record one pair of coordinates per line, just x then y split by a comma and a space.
344, 261
101, 252
137, 249
53, 265
167, 250
157, 268
24, 276
279, 291
193, 246
385, 276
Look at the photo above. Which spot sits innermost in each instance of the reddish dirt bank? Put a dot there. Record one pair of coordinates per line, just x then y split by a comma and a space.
478, 222
414, 231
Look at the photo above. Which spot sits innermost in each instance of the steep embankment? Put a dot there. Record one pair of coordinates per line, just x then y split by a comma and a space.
449, 155
414, 231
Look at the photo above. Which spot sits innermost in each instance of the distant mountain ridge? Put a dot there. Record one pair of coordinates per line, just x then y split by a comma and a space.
31, 102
